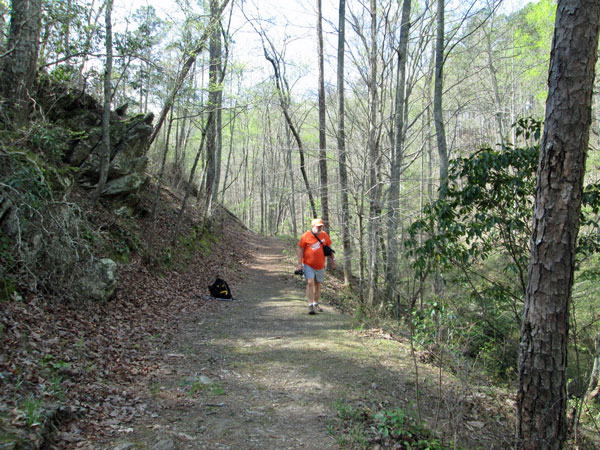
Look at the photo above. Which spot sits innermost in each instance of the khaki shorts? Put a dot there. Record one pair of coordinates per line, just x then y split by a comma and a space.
318, 275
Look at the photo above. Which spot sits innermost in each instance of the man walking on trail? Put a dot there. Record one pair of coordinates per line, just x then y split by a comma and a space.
311, 258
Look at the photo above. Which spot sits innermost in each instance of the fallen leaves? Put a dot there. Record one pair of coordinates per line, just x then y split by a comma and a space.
96, 359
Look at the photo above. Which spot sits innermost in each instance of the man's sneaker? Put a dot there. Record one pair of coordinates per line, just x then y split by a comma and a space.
318, 307
311, 309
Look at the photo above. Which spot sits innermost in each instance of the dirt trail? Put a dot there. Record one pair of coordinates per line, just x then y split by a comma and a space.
263, 374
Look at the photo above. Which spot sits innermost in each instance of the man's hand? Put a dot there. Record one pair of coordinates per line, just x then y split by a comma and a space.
333, 264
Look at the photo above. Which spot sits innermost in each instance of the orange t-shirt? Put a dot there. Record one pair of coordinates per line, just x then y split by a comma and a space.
313, 253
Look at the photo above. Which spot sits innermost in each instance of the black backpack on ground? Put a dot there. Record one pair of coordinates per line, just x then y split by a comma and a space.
220, 289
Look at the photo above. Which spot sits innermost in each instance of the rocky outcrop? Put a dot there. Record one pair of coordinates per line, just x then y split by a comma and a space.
51, 248
127, 159
82, 115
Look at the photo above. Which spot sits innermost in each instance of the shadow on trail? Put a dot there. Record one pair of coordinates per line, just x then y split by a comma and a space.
282, 373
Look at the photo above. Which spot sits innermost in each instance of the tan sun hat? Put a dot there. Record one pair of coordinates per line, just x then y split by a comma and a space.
316, 223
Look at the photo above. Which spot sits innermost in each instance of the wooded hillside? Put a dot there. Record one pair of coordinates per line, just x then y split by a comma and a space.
425, 134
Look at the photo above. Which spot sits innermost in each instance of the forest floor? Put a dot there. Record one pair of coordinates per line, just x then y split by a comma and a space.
260, 373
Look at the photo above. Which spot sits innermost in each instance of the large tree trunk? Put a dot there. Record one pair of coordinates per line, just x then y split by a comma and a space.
20, 67
542, 396
322, 137
397, 156
341, 144
212, 134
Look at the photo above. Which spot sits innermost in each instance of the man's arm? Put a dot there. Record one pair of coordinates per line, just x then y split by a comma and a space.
300, 253
331, 257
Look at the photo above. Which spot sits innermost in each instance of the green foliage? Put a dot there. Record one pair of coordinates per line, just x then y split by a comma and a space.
154, 389
487, 206
52, 140
24, 176
534, 28
67, 31
165, 257
40, 243
32, 407
477, 235
405, 430
488, 203
346, 411
7, 257
428, 322
361, 427
122, 243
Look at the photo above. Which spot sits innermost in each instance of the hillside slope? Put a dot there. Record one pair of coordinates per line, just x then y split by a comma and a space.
67, 365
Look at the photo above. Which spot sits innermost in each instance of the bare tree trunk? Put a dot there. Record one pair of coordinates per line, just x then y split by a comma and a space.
20, 66
438, 88
284, 102
341, 144
397, 156
105, 153
322, 136
160, 175
229, 155
542, 393
292, 182
214, 130
438, 117
373, 222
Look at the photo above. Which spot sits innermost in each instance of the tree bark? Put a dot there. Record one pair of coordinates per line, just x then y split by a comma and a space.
290, 171
438, 118
322, 136
214, 89
161, 173
341, 146
542, 396
20, 67
373, 193
438, 87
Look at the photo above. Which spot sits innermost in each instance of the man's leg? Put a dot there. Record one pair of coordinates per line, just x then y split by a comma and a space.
314, 278
317, 296
317, 292
310, 294
310, 290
